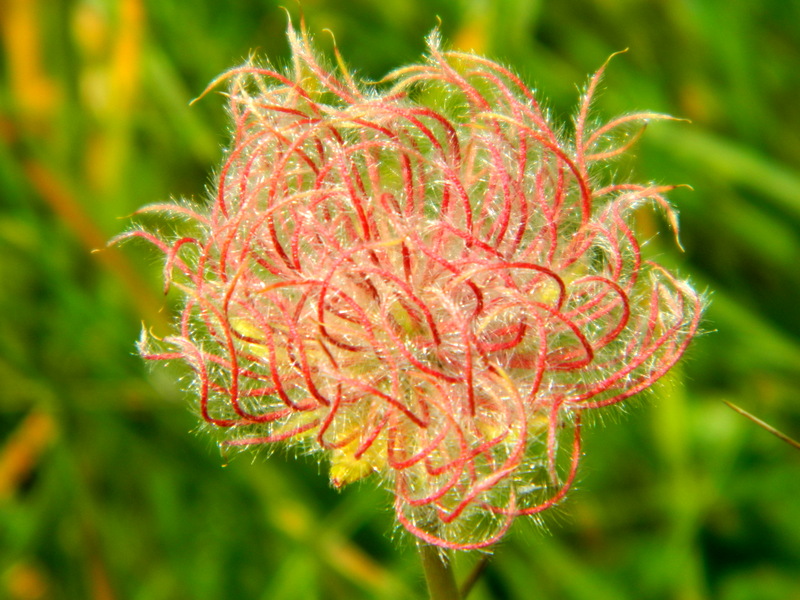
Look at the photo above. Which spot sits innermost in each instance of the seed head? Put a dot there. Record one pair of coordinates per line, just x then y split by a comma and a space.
422, 280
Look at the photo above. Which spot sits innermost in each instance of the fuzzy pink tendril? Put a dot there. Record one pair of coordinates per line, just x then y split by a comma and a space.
423, 280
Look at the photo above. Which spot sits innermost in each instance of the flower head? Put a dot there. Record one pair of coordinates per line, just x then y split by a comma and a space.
423, 280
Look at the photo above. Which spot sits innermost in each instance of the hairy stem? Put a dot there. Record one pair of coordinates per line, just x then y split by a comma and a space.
438, 573
475, 574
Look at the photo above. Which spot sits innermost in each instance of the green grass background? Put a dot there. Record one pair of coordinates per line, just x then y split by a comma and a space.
107, 493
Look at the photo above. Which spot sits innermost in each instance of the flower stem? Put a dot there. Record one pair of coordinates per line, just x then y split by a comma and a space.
438, 573
474, 575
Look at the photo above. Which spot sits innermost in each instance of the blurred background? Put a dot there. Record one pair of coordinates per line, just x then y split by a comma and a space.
106, 490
